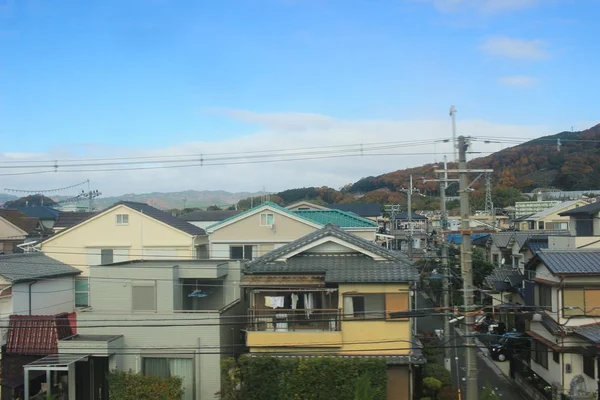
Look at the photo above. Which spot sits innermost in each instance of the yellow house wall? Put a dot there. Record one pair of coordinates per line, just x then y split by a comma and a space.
103, 232
249, 229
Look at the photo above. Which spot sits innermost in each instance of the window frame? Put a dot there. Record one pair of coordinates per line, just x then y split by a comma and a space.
144, 283
266, 219
86, 292
543, 292
167, 357
365, 313
112, 256
245, 248
124, 219
556, 356
539, 353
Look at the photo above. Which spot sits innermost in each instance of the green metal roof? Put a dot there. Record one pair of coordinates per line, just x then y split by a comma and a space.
336, 217
321, 217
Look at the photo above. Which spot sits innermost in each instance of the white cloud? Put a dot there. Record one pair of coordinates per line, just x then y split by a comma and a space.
517, 80
503, 46
481, 6
275, 131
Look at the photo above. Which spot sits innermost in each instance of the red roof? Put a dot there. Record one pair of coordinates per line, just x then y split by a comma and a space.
37, 334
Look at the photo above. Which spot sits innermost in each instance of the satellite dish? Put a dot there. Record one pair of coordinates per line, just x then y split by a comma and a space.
503, 260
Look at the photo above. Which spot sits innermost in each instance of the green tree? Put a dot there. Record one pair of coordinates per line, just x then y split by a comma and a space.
364, 390
432, 385
481, 268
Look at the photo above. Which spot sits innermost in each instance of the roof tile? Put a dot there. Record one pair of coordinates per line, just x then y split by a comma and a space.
36, 334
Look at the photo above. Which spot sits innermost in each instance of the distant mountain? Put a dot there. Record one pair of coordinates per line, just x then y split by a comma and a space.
6, 197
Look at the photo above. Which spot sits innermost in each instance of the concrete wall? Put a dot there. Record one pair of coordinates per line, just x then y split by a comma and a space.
141, 233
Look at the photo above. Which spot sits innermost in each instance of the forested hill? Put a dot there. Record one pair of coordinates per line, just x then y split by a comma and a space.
534, 164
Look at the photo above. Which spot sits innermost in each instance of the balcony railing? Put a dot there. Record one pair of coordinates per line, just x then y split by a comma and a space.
294, 320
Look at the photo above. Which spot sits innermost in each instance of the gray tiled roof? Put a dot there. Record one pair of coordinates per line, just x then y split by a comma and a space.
31, 266
550, 324
503, 275
589, 332
338, 267
68, 219
580, 261
217, 215
590, 209
164, 217
501, 239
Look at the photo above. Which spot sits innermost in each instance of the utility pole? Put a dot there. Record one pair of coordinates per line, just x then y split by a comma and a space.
467, 270
454, 144
446, 282
410, 224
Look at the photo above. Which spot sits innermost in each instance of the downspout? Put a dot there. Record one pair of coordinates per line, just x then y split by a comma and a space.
30, 285
562, 337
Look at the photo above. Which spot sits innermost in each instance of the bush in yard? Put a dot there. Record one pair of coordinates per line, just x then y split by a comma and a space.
432, 385
131, 386
265, 377
438, 372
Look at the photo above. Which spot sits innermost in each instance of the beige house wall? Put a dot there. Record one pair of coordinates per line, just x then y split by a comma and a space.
143, 235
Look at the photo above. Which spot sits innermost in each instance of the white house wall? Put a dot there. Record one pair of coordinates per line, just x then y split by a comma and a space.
52, 296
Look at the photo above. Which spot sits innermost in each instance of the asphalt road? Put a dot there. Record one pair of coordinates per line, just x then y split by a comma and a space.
488, 375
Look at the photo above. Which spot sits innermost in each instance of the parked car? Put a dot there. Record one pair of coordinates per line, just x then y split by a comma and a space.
485, 324
509, 344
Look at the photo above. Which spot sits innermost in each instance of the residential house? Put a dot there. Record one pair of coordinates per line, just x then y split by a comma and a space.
584, 226
164, 317
17, 228
370, 211
31, 338
551, 218
331, 293
46, 215
126, 231
402, 228
68, 219
268, 226
33, 283
563, 286
523, 208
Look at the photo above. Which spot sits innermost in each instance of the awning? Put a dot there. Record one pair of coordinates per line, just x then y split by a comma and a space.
56, 362
283, 280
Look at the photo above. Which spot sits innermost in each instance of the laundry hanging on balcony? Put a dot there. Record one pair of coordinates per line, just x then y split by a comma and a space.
274, 301
198, 293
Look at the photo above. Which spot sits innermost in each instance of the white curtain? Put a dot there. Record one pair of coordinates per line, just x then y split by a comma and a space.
181, 367
348, 306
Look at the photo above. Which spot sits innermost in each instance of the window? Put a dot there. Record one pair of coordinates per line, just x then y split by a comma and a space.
106, 256
581, 301
370, 305
143, 296
122, 219
556, 356
242, 252
82, 292
540, 225
544, 297
589, 366
539, 353
166, 367
584, 227
267, 219
396, 302
495, 259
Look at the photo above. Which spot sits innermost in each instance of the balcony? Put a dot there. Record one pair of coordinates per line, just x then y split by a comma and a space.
300, 328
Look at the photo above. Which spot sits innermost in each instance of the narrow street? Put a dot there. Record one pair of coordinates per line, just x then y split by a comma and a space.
487, 374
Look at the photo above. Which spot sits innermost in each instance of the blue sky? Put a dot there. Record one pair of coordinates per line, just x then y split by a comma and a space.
80, 78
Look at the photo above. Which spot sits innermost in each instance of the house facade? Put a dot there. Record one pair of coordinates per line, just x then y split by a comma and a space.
125, 231
551, 218
169, 317
264, 228
563, 286
331, 293
202, 219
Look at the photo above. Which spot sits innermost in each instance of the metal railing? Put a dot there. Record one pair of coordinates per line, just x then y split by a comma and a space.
285, 320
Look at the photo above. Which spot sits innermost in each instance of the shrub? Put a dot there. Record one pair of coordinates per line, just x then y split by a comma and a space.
257, 378
131, 386
438, 372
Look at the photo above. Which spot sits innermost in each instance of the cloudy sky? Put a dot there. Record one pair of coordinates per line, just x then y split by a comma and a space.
83, 80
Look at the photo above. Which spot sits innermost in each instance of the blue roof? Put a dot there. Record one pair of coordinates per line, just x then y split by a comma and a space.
41, 212
456, 238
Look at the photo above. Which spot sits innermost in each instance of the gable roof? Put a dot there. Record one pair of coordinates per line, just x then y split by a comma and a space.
552, 210
41, 212
315, 218
569, 262
536, 243
164, 217
503, 278
69, 219
37, 334
360, 209
19, 219
148, 210
589, 332
201, 215
306, 203
335, 217
590, 209
337, 267
25, 267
